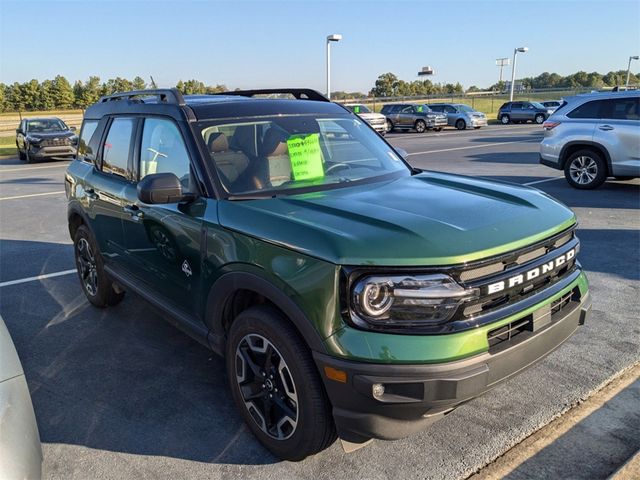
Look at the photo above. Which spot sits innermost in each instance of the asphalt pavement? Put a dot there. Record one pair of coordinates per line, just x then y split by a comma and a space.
119, 393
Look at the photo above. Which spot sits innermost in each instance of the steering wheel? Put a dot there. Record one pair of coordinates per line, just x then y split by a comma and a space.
338, 165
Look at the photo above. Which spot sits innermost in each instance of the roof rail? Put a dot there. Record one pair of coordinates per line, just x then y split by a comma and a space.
167, 95
298, 93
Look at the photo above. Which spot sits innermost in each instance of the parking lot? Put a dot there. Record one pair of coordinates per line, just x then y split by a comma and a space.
121, 393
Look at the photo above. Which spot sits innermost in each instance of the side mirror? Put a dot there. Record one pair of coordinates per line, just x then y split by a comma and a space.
18, 130
403, 153
158, 188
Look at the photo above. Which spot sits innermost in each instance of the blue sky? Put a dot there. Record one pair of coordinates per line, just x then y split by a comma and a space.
268, 44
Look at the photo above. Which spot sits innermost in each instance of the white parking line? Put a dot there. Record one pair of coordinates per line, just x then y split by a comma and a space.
31, 195
36, 278
543, 181
464, 148
26, 169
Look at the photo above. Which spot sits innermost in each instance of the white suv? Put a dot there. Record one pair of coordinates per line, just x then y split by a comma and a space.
595, 136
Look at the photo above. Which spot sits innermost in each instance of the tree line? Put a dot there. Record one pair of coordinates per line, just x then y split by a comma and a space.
59, 94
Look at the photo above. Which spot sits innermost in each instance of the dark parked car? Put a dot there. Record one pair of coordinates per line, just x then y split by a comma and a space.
417, 117
460, 115
350, 294
38, 138
522, 112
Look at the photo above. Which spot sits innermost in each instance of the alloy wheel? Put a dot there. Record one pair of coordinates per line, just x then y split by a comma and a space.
87, 266
266, 386
583, 170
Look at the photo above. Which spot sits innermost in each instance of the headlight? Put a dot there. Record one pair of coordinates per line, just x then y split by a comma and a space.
406, 300
33, 140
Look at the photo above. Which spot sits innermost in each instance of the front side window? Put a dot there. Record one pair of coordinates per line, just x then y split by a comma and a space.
281, 155
163, 151
622, 109
408, 109
117, 147
85, 153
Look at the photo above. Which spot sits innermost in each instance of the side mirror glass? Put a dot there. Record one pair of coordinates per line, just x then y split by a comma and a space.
160, 188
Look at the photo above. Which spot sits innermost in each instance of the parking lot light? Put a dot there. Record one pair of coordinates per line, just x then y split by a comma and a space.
634, 57
336, 37
513, 69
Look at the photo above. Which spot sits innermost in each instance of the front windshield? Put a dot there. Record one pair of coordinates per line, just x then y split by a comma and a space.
358, 108
465, 108
537, 105
45, 125
282, 154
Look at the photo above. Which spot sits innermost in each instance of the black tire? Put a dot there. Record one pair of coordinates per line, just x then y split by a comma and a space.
21, 155
437, 129
420, 126
264, 327
389, 126
461, 124
27, 157
585, 169
539, 119
504, 119
96, 284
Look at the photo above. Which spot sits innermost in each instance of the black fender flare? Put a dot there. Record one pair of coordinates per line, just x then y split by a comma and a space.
75, 209
585, 144
225, 286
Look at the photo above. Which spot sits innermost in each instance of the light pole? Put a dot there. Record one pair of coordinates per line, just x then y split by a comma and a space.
336, 37
635, 57
513, 69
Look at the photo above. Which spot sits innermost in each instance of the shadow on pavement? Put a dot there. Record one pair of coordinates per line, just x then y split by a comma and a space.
121, 379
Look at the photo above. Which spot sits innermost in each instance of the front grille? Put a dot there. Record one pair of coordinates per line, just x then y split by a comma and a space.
55, 142
521, 329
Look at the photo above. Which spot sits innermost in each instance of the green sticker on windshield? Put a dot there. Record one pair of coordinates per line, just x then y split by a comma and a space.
356, 109
420, 108
305, 155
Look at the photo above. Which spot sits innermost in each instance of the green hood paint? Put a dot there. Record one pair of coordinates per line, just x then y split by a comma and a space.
426, 219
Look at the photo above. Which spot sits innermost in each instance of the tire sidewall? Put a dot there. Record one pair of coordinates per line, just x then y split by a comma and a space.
504, 119
105, 295
461, 124
539, 119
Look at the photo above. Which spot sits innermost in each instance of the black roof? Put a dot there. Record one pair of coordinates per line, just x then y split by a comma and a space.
224, 105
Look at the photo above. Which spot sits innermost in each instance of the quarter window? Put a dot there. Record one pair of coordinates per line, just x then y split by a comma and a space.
117, 147
163, 151
587, 110
85, 153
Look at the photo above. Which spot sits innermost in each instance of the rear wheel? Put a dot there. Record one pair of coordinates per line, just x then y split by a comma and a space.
461, 124
94, 280
389, 126
539, 119
276, 386
420, 126
504, 119
585, 169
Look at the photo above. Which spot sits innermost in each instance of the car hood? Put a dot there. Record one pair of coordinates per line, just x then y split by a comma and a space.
426, 219
371, 116
45, 135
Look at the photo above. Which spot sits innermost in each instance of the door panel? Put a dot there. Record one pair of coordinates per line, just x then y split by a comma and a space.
619, 131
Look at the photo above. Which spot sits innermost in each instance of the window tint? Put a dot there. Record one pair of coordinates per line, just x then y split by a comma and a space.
449, 109
436, 108
517, 105
587, 110
85, 153
115, 155
163, 150
622, 109
408, 109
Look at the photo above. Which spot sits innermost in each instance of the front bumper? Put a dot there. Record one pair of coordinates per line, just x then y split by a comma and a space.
436, 122
416, 395
479, 122
52, 152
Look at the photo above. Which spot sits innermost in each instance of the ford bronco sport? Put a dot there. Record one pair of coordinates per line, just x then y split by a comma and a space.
350, 294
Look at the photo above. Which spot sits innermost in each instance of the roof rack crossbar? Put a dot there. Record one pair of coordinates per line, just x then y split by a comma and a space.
298, 93
168, 95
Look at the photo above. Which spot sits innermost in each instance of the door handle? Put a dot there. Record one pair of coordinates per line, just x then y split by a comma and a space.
91, 193
134, 211
605, 127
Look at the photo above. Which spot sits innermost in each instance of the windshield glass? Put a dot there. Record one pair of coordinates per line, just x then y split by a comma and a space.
46, 125
282, 154
465, 108
358, 108
537, 105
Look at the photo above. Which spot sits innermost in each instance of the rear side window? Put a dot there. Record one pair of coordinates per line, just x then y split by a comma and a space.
449, 109
505, 106
587, 110
117, 147
515, 106
85, 153
622, 109
436, 108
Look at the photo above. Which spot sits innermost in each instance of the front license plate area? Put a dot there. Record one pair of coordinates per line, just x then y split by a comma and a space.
540, 318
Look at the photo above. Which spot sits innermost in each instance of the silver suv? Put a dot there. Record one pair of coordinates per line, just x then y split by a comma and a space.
594, 136
460, 115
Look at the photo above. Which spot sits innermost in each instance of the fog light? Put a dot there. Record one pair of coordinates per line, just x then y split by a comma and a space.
377, 389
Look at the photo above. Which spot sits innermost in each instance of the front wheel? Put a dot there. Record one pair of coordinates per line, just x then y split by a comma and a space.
94, 280
420, 126
585, 170
504, 119
461, 124
389, 126
276, 386
539, 119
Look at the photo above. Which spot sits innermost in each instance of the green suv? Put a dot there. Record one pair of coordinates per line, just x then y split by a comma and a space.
350, 294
